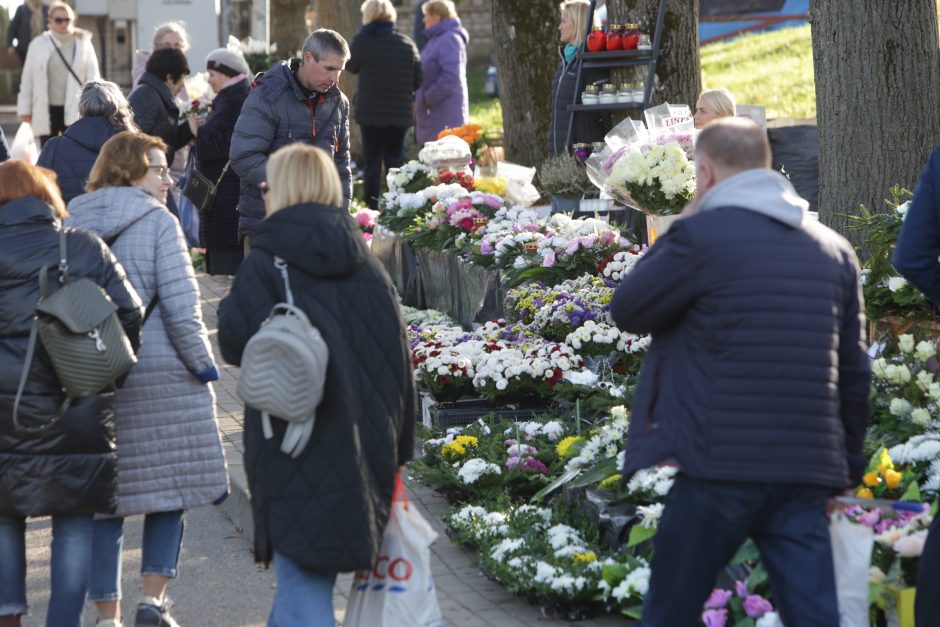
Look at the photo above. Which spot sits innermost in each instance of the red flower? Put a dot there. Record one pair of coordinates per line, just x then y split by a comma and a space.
466, 224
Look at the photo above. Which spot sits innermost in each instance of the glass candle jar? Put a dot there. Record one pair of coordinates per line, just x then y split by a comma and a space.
644, 43
597, 40
625, 93
581, 151
630, 38
614, 37
608, 94
596, 147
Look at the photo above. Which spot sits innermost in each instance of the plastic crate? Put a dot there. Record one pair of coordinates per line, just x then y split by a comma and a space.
468, 410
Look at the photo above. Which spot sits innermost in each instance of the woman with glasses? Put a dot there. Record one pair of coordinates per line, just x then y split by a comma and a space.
169, 452
166, 35
58, 63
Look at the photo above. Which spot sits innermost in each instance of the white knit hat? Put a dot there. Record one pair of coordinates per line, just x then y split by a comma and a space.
227, 62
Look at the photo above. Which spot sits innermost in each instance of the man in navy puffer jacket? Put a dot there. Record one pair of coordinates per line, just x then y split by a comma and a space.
755, 385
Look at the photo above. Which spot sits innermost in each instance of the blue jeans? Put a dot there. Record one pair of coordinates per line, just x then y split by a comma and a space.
303, 598
703, 525
163, 534
70, 565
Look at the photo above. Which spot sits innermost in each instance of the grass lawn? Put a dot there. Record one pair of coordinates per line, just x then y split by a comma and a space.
484, 110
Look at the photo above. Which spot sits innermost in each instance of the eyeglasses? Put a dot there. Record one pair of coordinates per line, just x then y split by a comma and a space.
264, 189
170, 44
61, 20
162, 170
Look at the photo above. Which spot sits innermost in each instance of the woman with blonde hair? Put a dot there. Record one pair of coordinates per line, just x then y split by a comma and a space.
169, 451
68, 469
165, 35
58, 64
713, 104
332, 521
442, 100
589, 126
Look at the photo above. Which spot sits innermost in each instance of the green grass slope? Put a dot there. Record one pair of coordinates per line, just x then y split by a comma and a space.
772, 69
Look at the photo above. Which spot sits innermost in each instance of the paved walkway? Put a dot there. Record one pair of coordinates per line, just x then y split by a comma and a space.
467, 598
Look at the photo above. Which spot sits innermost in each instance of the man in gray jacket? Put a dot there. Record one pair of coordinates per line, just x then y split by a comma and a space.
297, 100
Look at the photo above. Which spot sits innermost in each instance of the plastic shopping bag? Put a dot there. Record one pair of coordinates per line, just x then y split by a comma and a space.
851, 558
188, 212
399, 590
24, 144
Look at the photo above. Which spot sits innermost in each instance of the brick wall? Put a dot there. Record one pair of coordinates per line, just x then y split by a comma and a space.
475, 16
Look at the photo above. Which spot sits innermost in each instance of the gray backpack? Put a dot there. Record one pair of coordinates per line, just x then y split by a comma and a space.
283, 371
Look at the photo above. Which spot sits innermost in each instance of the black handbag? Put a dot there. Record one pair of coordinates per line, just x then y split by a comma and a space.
200, 190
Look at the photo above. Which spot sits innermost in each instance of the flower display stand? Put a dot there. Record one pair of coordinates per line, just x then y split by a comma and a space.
466, 293
656, 226
399, 261
468, 410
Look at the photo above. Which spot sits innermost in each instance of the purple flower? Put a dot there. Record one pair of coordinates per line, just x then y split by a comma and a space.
485, 248
715, 618
756, 606
718, 599
572, 246
533, 465
870, 518
510, 442
512, 462
740, 588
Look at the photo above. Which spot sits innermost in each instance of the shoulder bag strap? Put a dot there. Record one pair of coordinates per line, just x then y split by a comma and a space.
64, 407
224, 170
62, 56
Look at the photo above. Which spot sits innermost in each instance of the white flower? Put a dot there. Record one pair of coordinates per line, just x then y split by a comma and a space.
920, 416
900, 407
553, 430
508, 545
924, 350
911, 545
636, 583
906, 341
903, 208
875, 575
650, 514
896, 283
475, 468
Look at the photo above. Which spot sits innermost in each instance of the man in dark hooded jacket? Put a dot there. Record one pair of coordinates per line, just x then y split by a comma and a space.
755, 385
297, 100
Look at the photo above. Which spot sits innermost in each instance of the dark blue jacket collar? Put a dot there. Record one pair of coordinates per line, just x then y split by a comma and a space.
26, 209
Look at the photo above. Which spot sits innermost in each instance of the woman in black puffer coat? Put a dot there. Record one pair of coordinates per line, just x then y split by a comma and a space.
218, 224
69, 469
325, 511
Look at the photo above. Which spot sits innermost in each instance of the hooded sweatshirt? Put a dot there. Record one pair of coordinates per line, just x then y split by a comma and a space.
760, 190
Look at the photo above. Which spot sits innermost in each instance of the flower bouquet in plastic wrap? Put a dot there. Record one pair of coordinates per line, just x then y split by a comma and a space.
649, 166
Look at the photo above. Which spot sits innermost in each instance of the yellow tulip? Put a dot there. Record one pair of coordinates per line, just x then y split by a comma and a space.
864, 493
871, 479
893, 478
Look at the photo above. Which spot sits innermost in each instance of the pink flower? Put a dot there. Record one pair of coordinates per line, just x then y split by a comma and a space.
572, 246
367, 237
533, 465
715, 618
740, 588
912, 545
588, 242
607, 237
718, 598
512, 462
756, 606
870, 518
485, 248
548, 261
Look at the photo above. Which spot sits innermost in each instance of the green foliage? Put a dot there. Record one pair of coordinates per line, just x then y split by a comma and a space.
484, 110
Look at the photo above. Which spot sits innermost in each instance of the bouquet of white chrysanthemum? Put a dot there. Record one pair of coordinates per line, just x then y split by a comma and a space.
659, 178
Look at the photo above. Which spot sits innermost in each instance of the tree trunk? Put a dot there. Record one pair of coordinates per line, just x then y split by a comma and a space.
345, 18
877, 98
678, 72
288, 25
524, 38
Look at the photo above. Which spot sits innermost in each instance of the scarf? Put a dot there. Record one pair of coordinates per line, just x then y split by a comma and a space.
569, 51
37, 23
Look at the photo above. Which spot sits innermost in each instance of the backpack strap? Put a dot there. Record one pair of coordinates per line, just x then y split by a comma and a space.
281, 265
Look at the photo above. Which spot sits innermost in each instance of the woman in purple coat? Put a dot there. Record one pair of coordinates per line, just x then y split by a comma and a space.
442, 100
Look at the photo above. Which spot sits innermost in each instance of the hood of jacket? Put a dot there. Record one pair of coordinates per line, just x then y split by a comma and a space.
110, 211
281, 77
377, 28
154, 81
15, 258
322, 240
760, 190
449, 25
91, 132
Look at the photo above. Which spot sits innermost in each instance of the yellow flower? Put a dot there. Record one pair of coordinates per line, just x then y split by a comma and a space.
871, 479
864, 493
585, 558
453, 450
563, 448
466, 440
893, 478
884, 461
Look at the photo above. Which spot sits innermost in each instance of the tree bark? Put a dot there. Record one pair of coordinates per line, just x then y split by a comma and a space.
345, 18
877, 98
678, 72
288, 25
524, 39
